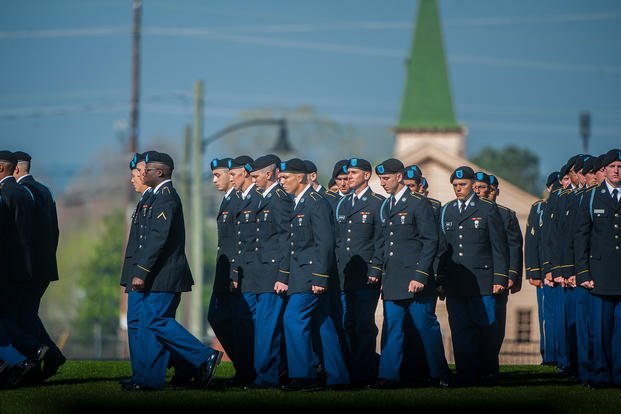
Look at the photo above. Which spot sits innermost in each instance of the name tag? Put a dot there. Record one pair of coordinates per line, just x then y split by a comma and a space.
599, 211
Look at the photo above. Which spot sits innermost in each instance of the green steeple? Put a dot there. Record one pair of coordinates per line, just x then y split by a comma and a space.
427, 102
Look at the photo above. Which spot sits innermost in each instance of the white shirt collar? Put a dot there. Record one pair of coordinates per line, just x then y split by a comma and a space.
268, 189
145, 191
245, 193
342, 194
400, 193
299, 196
319, 187
359, 196
610, 188
161, 184
23, 176
467, 202
229, 191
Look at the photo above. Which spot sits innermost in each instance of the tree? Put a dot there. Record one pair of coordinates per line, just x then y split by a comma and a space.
99, 281
520, 166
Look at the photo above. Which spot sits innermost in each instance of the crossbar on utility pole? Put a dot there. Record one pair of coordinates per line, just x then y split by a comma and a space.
196, 243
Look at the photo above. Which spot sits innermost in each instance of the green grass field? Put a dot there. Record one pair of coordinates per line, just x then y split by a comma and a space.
88, 386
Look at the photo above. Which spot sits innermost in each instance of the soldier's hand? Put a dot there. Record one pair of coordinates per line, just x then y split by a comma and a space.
549, 275
137, 284
317, 290
371, 280
415, 286
589, 284
280, 287
571, 281
498, 289
234, 285
548, 282
560, 280
535, 282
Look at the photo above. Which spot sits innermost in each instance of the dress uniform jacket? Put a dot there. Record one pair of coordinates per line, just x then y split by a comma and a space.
566, 225
598, 241
549, 235
515, 244
160, 258
311, 240
227, 236
477, 254
359, 240
437, 209
142, 208
45, 231
273, 219
410, 245
17, 229
333, 198
245, 261
532, 241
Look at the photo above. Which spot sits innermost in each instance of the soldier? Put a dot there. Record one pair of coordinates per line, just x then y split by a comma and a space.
533, 256
359, 244
308, 308
515, 243
341, 178
244, 268
44, 268
408, 287
161, 273
598, 253
425, 187
311, 176
269, 291
473, 272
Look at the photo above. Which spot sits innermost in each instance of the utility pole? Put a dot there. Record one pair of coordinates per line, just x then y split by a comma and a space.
184, 192
585, 130
196, 244
123, 350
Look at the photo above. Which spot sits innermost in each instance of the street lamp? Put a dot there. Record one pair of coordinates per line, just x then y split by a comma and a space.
200, 146
585, 130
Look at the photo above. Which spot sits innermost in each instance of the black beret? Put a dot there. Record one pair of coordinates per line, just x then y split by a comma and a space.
481, 176
412, 172
138, 157
563, 171
310, 166
572, 161
591, 165
464, 172
579, 165
424, 183
612, 156
8, 156
552, 178
340, 168
331, 182
243, 161
359, 163
221, 163
493, 180
390, 166
161, 157
294, 165
265, 161
22, 156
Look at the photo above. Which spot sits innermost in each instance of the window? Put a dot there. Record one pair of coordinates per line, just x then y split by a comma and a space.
523, 325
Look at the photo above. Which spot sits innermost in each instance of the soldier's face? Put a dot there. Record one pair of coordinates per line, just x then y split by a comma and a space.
462, 188
493, 193
343, 183
481, 189
292, 183
260, 178
221, 179
600, 175
613, 173
238, 176
357, 177
136, 180
412, 185
565, 181
390, 182
591, 179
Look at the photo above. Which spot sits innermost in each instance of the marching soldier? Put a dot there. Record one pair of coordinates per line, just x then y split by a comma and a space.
473, 272
266, 293
311, 176
598, 252
359, 244
311, 242
161, 272
408, 287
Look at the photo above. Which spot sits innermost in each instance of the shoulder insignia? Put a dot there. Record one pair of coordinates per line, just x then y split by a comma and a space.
416, 195
166, 189
502, 207
486, 201
329, 193
280, 193
313, 195
379, 197
536, 202
162, 215
258, 191
434, 201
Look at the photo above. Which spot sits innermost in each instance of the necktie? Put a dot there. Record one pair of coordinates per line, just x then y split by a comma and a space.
615, 193
462, 207
392, 201
353, 200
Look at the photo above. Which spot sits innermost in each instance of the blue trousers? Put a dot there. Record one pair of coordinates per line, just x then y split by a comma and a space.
570, 295
584, 333
303, 313
358, 320
549, 324
472, 321
159, 335
540, 319
423, 314
560, 325
606, 339
501, 319
231, 319
267, 309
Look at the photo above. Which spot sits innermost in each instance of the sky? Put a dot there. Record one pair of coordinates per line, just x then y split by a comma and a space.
520, 71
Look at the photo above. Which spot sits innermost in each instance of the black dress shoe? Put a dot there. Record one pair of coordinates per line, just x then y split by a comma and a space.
303, 384
20, 373
52, 360
207, 370
383, 384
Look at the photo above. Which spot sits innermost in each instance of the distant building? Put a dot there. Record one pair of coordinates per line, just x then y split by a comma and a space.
429, 136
